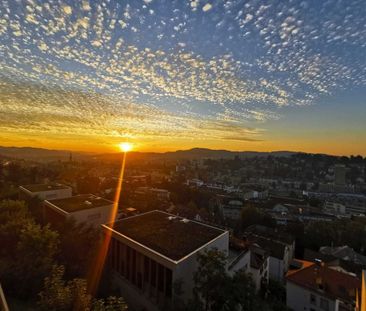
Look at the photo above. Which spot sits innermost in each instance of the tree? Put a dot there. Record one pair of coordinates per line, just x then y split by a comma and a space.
250, 215
242, 292
27, 252
215, 290
209, 278
78, 246
59, 295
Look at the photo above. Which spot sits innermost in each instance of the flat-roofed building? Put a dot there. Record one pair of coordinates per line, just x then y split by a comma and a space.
154, 253
45, 191
86, 208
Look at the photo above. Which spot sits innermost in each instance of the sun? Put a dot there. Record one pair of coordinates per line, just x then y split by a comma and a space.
125, 147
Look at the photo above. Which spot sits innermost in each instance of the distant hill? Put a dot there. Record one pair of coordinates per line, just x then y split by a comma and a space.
195, 153
30, 153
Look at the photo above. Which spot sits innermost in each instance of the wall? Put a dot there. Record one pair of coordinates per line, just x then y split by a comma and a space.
94, 216
298, 299
276, 269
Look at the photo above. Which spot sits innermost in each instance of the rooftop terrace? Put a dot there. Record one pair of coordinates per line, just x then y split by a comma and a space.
171, 236
80, 202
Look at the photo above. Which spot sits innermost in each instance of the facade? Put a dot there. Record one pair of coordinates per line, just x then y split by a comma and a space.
250, 258
318, 287
230, 206
334, 208
153, 257
45, 191
279, 246
84, 208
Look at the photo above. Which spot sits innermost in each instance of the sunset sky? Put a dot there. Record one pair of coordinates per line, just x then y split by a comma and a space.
167, 75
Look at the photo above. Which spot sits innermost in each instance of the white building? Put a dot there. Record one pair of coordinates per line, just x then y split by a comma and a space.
318, 287
155, 253
84, 208
280, 247
45, 191
253, 260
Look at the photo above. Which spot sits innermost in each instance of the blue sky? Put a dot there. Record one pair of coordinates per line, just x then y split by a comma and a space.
242, 75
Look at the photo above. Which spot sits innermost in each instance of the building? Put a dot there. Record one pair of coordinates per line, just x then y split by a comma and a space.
319, 287
251, 258
344, 252
45, 191
229, 206
160, 194
153, 254
279, 246
334, 208
84, 208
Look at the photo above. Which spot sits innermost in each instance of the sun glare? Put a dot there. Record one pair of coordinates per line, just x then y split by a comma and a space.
125, 147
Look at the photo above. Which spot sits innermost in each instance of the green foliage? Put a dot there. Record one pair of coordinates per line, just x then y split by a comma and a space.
78, 246
29, 250
341, 232
59, 295
215, 290
209, 279
250, 215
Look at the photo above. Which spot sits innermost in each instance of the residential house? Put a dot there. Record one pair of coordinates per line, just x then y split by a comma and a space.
318, 287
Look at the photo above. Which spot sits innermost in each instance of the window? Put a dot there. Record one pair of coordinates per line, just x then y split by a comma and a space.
161, 278
324, 304
153, 273
313, 299
168, 282
146, 269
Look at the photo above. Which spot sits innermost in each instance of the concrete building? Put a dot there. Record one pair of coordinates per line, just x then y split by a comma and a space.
230, 206
45, 191
279, 246
318, 287
253, 259
84, 208
155, 253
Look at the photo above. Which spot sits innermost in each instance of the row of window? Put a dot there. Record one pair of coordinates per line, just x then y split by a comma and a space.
140, 270
324, 303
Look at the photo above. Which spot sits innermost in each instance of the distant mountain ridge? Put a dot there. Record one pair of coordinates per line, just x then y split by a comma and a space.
194, 153
31, 153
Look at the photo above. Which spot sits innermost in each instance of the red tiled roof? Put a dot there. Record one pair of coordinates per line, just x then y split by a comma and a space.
327, 281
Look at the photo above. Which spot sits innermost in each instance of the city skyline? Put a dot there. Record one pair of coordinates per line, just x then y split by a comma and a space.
170, 75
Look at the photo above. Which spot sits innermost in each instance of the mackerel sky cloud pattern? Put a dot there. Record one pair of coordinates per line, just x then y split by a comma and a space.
207, 69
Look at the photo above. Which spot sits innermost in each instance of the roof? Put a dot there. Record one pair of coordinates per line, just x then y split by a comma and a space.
298, 264
329, 282
270, 233
80, 202
169, 235
44, 187
275, 248
344, 252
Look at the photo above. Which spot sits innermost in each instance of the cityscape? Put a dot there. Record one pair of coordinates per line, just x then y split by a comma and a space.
189, 155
